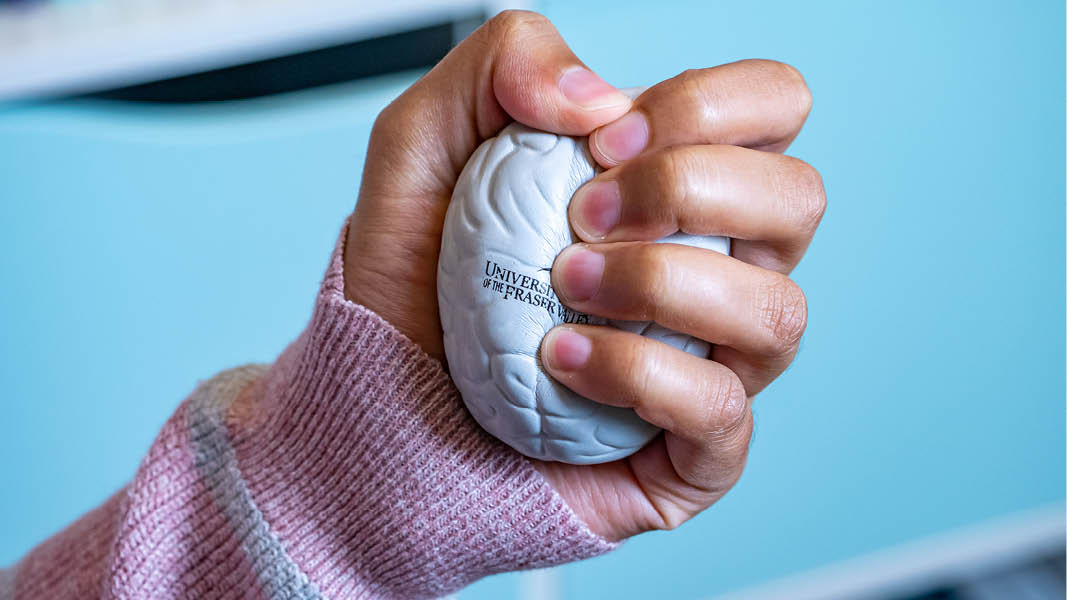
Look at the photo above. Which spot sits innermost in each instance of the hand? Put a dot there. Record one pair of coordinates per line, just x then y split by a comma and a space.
698, 153
695, 153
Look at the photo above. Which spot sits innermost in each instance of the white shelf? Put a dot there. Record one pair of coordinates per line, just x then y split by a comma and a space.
88, 45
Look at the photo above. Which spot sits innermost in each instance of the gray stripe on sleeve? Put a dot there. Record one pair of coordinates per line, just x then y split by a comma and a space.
216, 460
7, 583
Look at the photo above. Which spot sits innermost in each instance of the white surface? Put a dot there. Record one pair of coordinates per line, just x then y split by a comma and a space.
505, 225
539, 584
908, 569
96, 44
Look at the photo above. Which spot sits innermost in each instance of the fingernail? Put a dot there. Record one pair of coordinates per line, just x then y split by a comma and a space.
586, 89
622, 139
566, 349
579, 271
597, 206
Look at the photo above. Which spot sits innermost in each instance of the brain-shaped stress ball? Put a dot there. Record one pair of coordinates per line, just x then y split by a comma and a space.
505, 226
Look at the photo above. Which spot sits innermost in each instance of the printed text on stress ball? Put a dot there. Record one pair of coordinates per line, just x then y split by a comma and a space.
513, 285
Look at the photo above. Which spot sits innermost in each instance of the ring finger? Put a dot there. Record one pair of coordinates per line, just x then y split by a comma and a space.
747, 308
759, 313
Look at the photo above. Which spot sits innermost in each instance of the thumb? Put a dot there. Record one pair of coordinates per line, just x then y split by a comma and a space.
539, 82
514, 67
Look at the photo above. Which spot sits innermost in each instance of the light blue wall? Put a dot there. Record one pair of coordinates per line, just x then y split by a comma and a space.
144, 248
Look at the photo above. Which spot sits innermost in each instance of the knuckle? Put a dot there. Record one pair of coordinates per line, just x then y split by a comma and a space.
671, 169
642, 367
803, 192
665, 166
703, 100
391, 120
383, 121
725, 406
390, 113
690, 78
783, 311
795, 83
788, 80
671, 518
652, 273
770, 69
511, 25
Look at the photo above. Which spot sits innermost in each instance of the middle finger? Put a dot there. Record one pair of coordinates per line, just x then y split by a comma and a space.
702, 293
768, 200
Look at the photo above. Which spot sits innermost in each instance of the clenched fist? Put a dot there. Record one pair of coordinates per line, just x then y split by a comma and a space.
699, 153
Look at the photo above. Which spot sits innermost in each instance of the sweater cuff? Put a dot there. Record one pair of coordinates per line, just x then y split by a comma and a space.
376, 480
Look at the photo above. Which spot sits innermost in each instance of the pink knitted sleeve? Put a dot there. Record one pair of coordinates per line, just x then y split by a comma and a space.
347, 469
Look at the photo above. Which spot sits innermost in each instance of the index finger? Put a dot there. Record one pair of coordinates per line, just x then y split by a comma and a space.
760, 104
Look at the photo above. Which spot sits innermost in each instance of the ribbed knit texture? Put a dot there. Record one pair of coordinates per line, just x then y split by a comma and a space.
349, 469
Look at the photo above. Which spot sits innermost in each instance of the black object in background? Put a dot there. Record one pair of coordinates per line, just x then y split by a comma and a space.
411, 49
1040, 578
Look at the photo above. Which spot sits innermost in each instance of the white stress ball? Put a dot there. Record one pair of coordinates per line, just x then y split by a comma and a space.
502, 232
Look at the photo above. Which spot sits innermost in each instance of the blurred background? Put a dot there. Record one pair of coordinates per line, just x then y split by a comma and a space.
173, 175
